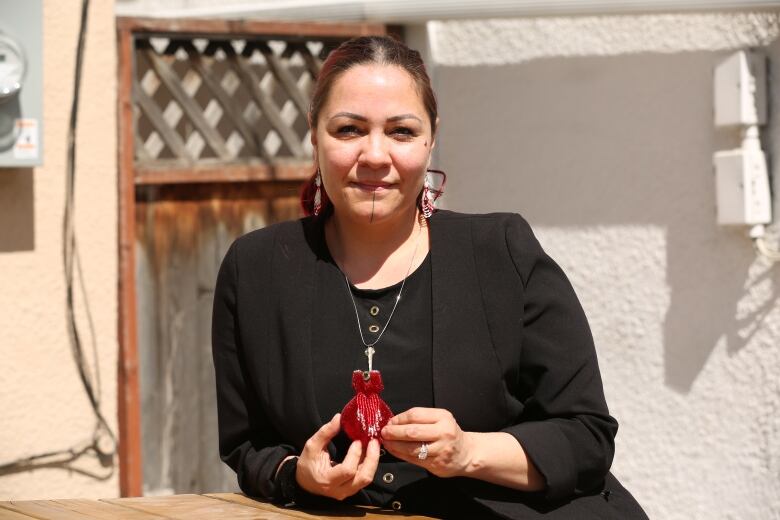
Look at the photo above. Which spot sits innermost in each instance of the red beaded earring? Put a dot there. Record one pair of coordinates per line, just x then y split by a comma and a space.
317, 194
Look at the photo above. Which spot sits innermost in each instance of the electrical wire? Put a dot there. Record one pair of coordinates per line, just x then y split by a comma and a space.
765, 250
757, 233
103, 442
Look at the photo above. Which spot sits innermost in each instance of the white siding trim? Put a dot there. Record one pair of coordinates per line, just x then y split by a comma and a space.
410, 11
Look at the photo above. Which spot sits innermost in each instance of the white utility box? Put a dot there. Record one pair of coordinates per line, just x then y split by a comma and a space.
742, 187
740, 90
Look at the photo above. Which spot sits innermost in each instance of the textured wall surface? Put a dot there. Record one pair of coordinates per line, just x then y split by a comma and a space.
44, 406
599, 131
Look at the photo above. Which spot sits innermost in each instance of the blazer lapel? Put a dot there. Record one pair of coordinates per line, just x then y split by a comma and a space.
467, 378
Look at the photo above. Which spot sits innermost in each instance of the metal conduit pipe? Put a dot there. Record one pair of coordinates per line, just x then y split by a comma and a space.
416, 11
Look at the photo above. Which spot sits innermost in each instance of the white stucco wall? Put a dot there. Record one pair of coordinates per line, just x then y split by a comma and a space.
44, 407
599, 130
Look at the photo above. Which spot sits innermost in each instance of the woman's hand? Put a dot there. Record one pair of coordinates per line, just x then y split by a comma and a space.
494, 457
317, 474
449, 447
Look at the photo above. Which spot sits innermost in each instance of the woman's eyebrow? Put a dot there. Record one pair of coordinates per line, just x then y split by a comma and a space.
404, 116
392, 119
349, 115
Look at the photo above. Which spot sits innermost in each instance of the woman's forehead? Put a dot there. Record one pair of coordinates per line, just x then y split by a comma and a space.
374, 87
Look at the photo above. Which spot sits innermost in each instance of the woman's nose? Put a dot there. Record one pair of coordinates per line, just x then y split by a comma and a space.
375, 153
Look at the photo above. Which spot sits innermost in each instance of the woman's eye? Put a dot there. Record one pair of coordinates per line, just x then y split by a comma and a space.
403, 131
347, 130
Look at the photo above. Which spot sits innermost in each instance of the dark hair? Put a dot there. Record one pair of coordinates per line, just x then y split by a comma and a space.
380, 50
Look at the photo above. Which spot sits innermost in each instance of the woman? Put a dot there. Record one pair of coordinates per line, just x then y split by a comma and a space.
484, 350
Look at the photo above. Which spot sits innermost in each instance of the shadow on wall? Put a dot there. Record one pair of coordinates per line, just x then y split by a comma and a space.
17, 215
605, 141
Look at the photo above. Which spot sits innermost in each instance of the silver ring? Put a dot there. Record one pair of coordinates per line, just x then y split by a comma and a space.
423, 452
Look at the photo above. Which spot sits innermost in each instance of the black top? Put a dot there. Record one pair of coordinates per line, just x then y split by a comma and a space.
402, 355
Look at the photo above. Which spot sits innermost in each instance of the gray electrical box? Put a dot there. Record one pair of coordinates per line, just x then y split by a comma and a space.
21, 83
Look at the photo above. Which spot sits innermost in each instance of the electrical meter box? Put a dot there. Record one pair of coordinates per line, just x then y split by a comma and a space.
21, 83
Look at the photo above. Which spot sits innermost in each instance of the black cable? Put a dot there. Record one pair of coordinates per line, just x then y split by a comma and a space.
70, 248
70, 255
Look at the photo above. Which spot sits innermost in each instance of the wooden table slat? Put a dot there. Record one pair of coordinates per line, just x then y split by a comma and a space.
7, 514
44, 509
106, 511
196, 507
246, 501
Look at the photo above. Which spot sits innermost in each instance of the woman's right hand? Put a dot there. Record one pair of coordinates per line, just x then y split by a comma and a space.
317, 474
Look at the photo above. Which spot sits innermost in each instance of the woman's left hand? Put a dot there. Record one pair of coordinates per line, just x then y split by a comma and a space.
449, 448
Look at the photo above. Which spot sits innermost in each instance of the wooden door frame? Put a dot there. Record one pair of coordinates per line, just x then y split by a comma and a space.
130, 176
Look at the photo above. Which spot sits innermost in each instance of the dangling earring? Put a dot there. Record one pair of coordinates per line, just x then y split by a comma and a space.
427, 199
431, 192
317, 193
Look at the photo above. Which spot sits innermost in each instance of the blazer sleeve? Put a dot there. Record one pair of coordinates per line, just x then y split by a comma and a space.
565, 427
248, 442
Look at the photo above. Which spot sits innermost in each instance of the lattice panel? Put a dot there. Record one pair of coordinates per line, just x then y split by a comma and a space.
210, 100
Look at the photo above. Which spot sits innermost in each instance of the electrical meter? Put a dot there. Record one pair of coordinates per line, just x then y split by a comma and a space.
13, 66
21, 83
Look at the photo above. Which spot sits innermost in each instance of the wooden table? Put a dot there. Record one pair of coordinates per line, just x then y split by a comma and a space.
220, 506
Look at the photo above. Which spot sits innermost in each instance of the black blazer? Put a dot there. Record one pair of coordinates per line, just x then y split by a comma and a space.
512, 351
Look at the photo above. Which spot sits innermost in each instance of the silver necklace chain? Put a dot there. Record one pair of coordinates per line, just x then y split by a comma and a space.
370, 346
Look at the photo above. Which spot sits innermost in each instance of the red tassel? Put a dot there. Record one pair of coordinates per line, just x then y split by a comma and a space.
366, 414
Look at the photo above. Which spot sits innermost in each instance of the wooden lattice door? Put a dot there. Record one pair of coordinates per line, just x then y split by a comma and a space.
214, 142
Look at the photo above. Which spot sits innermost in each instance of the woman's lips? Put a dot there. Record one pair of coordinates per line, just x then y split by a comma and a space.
369, 186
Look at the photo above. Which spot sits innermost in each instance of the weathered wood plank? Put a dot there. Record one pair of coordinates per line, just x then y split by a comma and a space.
172, 139
190, 107
128, 403
239, 28
196, 507
178, 173
181, 297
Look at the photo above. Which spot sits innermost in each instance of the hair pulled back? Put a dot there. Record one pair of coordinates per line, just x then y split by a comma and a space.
379, 50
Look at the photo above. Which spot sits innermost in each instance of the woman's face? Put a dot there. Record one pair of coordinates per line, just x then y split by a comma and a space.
373, 143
